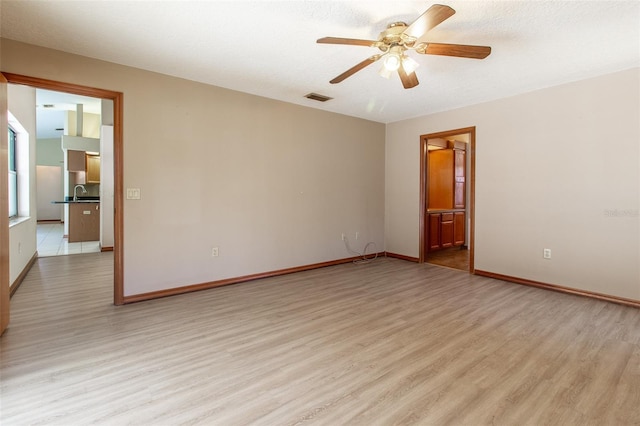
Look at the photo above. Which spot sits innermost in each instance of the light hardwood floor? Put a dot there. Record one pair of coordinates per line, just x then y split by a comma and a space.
388, 342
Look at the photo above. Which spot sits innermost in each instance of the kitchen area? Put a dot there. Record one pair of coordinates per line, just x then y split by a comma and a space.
446, 230
73, 182
83, 204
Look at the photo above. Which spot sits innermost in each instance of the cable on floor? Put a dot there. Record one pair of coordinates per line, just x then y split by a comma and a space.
363, 255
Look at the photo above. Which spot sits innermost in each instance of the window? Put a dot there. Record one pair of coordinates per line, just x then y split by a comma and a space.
13, 174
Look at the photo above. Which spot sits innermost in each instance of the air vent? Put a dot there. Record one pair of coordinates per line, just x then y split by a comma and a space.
316, 97
59, 129
48, 106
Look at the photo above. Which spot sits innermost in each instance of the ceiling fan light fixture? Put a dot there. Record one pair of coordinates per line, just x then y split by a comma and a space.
392, 61
393, 58
409, 64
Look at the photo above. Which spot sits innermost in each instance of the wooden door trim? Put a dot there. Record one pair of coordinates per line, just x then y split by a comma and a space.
118, 201
472, 189
4, 207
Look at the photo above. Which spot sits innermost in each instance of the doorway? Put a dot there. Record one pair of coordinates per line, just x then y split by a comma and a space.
70, 126
117, 99
447, 198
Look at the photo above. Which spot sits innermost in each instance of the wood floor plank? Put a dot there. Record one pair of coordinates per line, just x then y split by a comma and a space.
388, 342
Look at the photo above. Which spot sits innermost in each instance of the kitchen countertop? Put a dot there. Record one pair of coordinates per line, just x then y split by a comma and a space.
444, 210
69, 200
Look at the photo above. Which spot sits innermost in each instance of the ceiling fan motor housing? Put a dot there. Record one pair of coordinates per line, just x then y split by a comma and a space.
394, 36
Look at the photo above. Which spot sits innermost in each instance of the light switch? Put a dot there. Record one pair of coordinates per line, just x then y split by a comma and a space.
133, 193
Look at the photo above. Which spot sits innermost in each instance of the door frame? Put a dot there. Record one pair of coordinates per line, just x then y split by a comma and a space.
4, 207
471, 131
118, 201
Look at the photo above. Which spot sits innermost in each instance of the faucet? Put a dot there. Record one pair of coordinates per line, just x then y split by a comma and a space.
75, 191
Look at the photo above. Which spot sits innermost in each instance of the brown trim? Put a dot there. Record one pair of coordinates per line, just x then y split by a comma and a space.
561, 289
106, 248
403, 257
50, 221
4, 207
212, 284
118, 114
422, 253
472, 188
25, 271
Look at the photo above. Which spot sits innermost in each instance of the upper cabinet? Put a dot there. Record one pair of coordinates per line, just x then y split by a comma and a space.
86, 167
447, 176
93, 168
76, 161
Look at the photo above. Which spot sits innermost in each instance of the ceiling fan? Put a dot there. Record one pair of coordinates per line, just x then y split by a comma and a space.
399, 37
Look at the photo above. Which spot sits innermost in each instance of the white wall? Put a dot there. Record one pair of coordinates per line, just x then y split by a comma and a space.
272, 185
557, 168
49, 188
22, 236
49, 152
106, 187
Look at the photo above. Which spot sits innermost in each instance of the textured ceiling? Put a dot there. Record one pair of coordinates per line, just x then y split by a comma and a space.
268, 48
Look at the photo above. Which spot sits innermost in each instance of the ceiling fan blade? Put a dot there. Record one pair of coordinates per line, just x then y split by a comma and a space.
428, 20
349, 41
408, 80
355, 69
459, 50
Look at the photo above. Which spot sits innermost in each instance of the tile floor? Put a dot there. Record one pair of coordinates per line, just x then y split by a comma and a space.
51, 242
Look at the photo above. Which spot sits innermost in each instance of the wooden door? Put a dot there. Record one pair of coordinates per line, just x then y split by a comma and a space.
440, 179
446, 230
4, 207
434, 231
459, 232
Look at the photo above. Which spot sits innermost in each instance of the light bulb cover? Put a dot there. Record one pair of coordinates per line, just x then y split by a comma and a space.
409, 65
384, 72
392, 61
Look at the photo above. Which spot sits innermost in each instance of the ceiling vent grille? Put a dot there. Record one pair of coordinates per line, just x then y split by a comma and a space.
317, 97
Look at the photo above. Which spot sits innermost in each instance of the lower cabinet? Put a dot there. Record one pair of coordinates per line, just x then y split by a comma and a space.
459, 233
84, 222
446, 229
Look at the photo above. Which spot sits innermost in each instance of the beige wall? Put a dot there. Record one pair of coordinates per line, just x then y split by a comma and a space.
90, 124
557, 168
273, 185
22, 236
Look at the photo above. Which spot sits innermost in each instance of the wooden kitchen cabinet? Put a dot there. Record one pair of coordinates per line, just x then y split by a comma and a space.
92, 164
434, 231
84, 222
447, 177
440, 179
76, 161
459, 233
446, 229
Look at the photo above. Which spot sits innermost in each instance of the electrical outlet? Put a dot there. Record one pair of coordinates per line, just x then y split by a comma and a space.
343, 236
214, 252
546, 253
